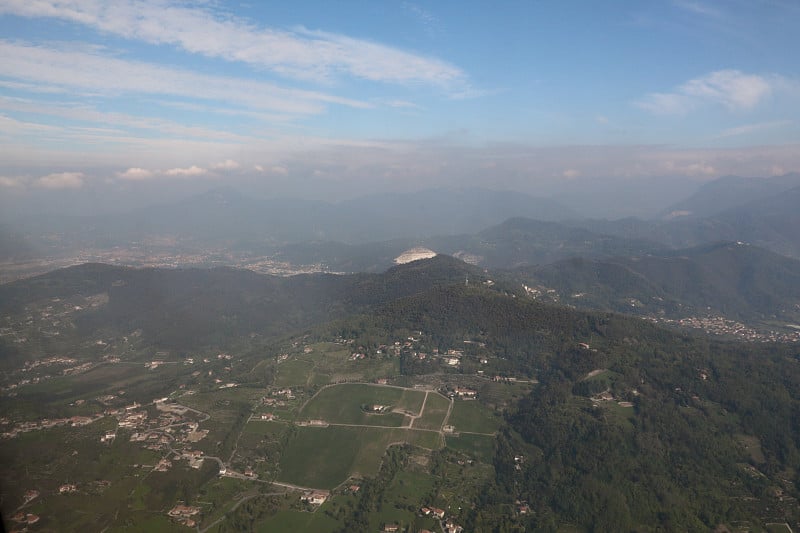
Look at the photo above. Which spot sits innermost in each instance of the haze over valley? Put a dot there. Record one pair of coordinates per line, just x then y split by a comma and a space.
399, 267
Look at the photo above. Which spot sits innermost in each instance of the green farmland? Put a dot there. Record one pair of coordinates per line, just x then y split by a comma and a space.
326, 457
342, 404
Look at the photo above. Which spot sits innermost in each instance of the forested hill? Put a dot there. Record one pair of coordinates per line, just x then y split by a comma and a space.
736, 280
628, 426
709, 435
187, 308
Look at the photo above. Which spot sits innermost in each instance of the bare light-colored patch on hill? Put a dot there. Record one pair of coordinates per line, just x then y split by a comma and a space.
414, 254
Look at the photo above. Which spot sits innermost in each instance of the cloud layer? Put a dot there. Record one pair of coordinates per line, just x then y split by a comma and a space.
197, 28
732, 89
96, 73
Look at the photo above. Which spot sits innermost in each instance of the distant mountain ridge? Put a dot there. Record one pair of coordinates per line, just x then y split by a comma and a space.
514, 242
771, 222
735, 280
730, 192
224, 217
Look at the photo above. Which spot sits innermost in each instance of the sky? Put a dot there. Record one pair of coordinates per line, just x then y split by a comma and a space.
102, 102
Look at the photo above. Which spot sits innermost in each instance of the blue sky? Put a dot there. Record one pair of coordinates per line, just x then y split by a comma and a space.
371, 96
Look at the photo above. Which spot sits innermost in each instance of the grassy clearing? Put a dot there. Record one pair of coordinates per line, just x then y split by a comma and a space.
290, 521
265, 428
753, 446
435, 410
389, 514
146, 521
221, 400
411, 488
292, 373
325, 457
330, 362
619, 413
105, 377
472, 416
479, 447
342, 404
424, 439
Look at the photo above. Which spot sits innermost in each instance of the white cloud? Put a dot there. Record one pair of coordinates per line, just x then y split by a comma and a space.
752, 128
213, 33
279, 170
698, 8
228, 164
84, 113
698, 169
136, 174
732, 89
109, 75
61, 180
777, 170
571, 173
188, 172
402, 104
11, 183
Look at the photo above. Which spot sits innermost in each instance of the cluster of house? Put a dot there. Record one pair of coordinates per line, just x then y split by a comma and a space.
195, 458
465, 393
315, 497
432, 511
183, 514
523, 507
452, 527
607, 396
172, 425
717, 325
273, 402
285, 392
449, 527
47, 361
129, 417
25, 518
47, 423
163, 465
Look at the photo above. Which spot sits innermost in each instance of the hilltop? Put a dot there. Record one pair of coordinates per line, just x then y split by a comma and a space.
430, 385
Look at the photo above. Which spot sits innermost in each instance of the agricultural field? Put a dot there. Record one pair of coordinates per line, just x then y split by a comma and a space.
292, 521
473, 417
500, 395
352, 404
328, 362
478, 447
326, 457
260, 446
436, 408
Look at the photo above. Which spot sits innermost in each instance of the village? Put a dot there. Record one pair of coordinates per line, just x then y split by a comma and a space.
717, 325
172, 430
